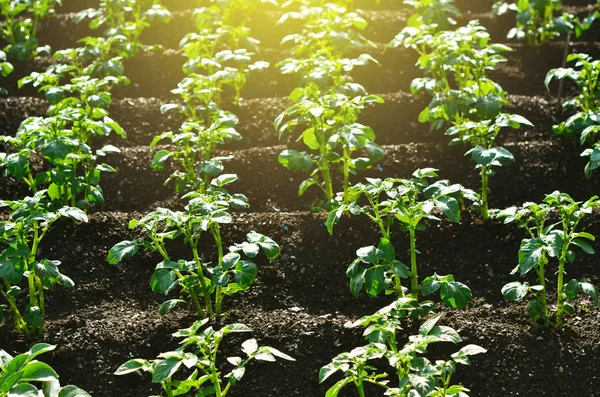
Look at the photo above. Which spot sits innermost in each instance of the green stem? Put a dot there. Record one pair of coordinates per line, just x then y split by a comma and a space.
561, 296
346, 173
484, 193
327, 180
216, 232
20, 324
205, 290
360, 387
414, 277
542, 280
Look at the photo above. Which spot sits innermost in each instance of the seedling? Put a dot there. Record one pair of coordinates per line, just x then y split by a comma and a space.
197, 356
20, 238
127, 18
411, 202
193, 151
536, 20
24, 375
549, 241
198, 279
585, 119
481, 136
73, 175
416, 375
329, 126
19, 30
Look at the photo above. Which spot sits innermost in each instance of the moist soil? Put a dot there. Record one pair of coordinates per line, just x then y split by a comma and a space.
301, 303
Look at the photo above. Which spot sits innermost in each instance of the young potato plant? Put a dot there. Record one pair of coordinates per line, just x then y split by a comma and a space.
197, 279
438, 13
457, 65
329, 125
73, 172
481, 136
547, 241
197, 358
329, 30
318, 76
126, 18
20, 238
20, 25
193, 148
411, 202
6, 68
24, 375
585, 118
227, 67
416, 375
536, 20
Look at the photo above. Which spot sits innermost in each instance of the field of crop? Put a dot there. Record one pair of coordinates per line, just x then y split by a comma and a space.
301, 302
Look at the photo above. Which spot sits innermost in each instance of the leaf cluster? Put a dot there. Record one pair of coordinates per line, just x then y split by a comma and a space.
413, 374
197, 361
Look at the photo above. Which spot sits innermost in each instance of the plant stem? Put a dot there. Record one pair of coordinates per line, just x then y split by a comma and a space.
346, 173
542, 280
414, 277
20, 324
484, 193
561, 296
205, 290
327, 180
216, 232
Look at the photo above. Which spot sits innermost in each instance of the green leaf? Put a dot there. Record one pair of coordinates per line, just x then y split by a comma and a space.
168, 306
294, 160
163, 280
335, 389
584, 245
165, 369
269, 246
73, 213
455, 294
368, 254
590, 290
131, 366
123, 250
23, 390
515, 291
530, 254
375, 281
450, 207
38, 371
73, 391
245, 273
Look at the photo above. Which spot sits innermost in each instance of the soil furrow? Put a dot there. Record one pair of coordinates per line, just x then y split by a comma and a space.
394, 122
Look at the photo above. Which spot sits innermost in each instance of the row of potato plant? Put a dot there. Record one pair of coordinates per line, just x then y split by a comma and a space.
408, 203
20, 23
465, 100
327, 103
55, 158
219, 60
65, 184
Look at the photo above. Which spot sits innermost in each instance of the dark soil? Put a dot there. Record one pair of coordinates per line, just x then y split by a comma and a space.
301, 302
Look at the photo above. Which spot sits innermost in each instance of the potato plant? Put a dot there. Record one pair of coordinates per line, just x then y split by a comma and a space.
330, 126
549, 241
199, 280
536, 20
584, 108
20, 237
438, 13
410, 202
197, 358
457, 64
24, 375
481, 136
20, 26
128, 19
415, 374
73, 174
